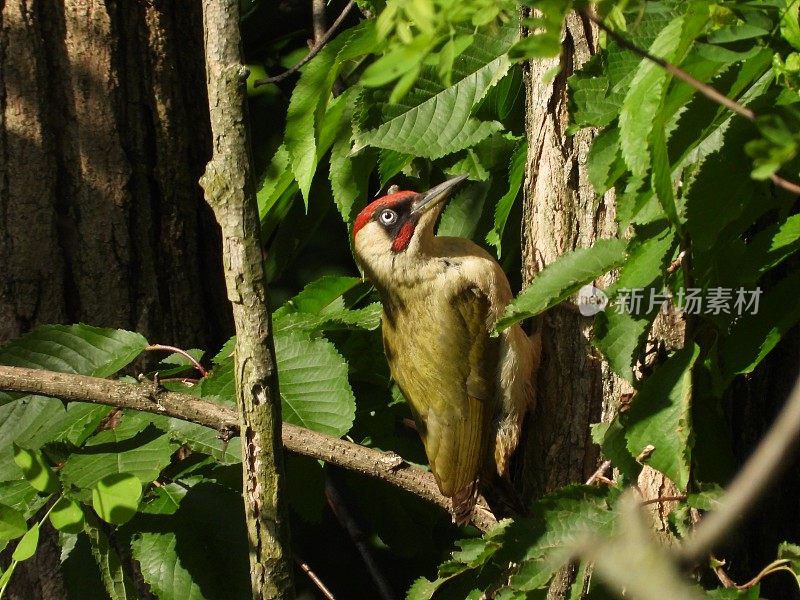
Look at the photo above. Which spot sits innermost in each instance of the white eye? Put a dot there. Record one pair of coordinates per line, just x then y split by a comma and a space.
388, 217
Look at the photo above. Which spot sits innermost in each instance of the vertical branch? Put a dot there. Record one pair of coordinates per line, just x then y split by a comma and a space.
318, 20
229, 190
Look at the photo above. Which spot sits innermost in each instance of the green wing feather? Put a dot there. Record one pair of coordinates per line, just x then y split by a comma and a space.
445, 363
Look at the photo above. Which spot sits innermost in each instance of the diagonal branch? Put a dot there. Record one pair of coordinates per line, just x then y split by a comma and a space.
708, 91
769, 458
319, 44
385, 466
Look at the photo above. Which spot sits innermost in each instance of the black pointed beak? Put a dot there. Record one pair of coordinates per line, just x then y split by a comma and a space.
435, 195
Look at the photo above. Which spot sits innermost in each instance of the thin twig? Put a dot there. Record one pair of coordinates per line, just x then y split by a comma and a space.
708, 91
760, 469
779, 565
312, 53
773, 567
789, 186
722, 575
703, 88
314, 578
348, 522
184, 380
180, 351
367, 461
599, 474
663, 499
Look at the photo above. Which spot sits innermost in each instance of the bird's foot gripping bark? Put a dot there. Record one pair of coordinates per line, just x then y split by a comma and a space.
463, 502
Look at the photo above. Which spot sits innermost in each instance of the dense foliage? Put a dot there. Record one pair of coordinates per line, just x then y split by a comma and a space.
426, 89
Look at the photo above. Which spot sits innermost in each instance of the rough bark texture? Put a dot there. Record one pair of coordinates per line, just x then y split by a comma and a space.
229, 189
562, 213
575, 386
101, 146
103, 137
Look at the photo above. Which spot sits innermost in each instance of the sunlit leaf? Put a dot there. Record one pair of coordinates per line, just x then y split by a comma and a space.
115, 498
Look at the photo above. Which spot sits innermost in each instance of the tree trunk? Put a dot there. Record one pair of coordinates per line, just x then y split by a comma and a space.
561, 213
103, 137
575, 388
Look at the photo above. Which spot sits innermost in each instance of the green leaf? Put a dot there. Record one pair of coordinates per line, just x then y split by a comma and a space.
20, 496
598, 89
605, 165
544, 542
661, 176
791, 553
27, 545
779, 142
219, 385
563, 278
611, 438
276, 191
79, 349
411, 131
391, 163
325, 304
166, 499
469, 165
67, 516
115, 497
423, 589
12, 523
754, 335
721, 593
708, 499
306, 109
349, 175
20, 421
176, 561
516, 174
177, 363
462, 214
790, 23
433, 121
57, 423
658, 422
620, 336
36, 470
620, 332
319, 295
642, 102
397, 63
116, 451
315, 391
117, 583
206, 440
736, 33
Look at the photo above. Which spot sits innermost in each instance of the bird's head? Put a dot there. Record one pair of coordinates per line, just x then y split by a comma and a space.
398, 224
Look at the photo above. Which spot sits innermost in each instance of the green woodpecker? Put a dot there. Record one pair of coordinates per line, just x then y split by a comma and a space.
442, 296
